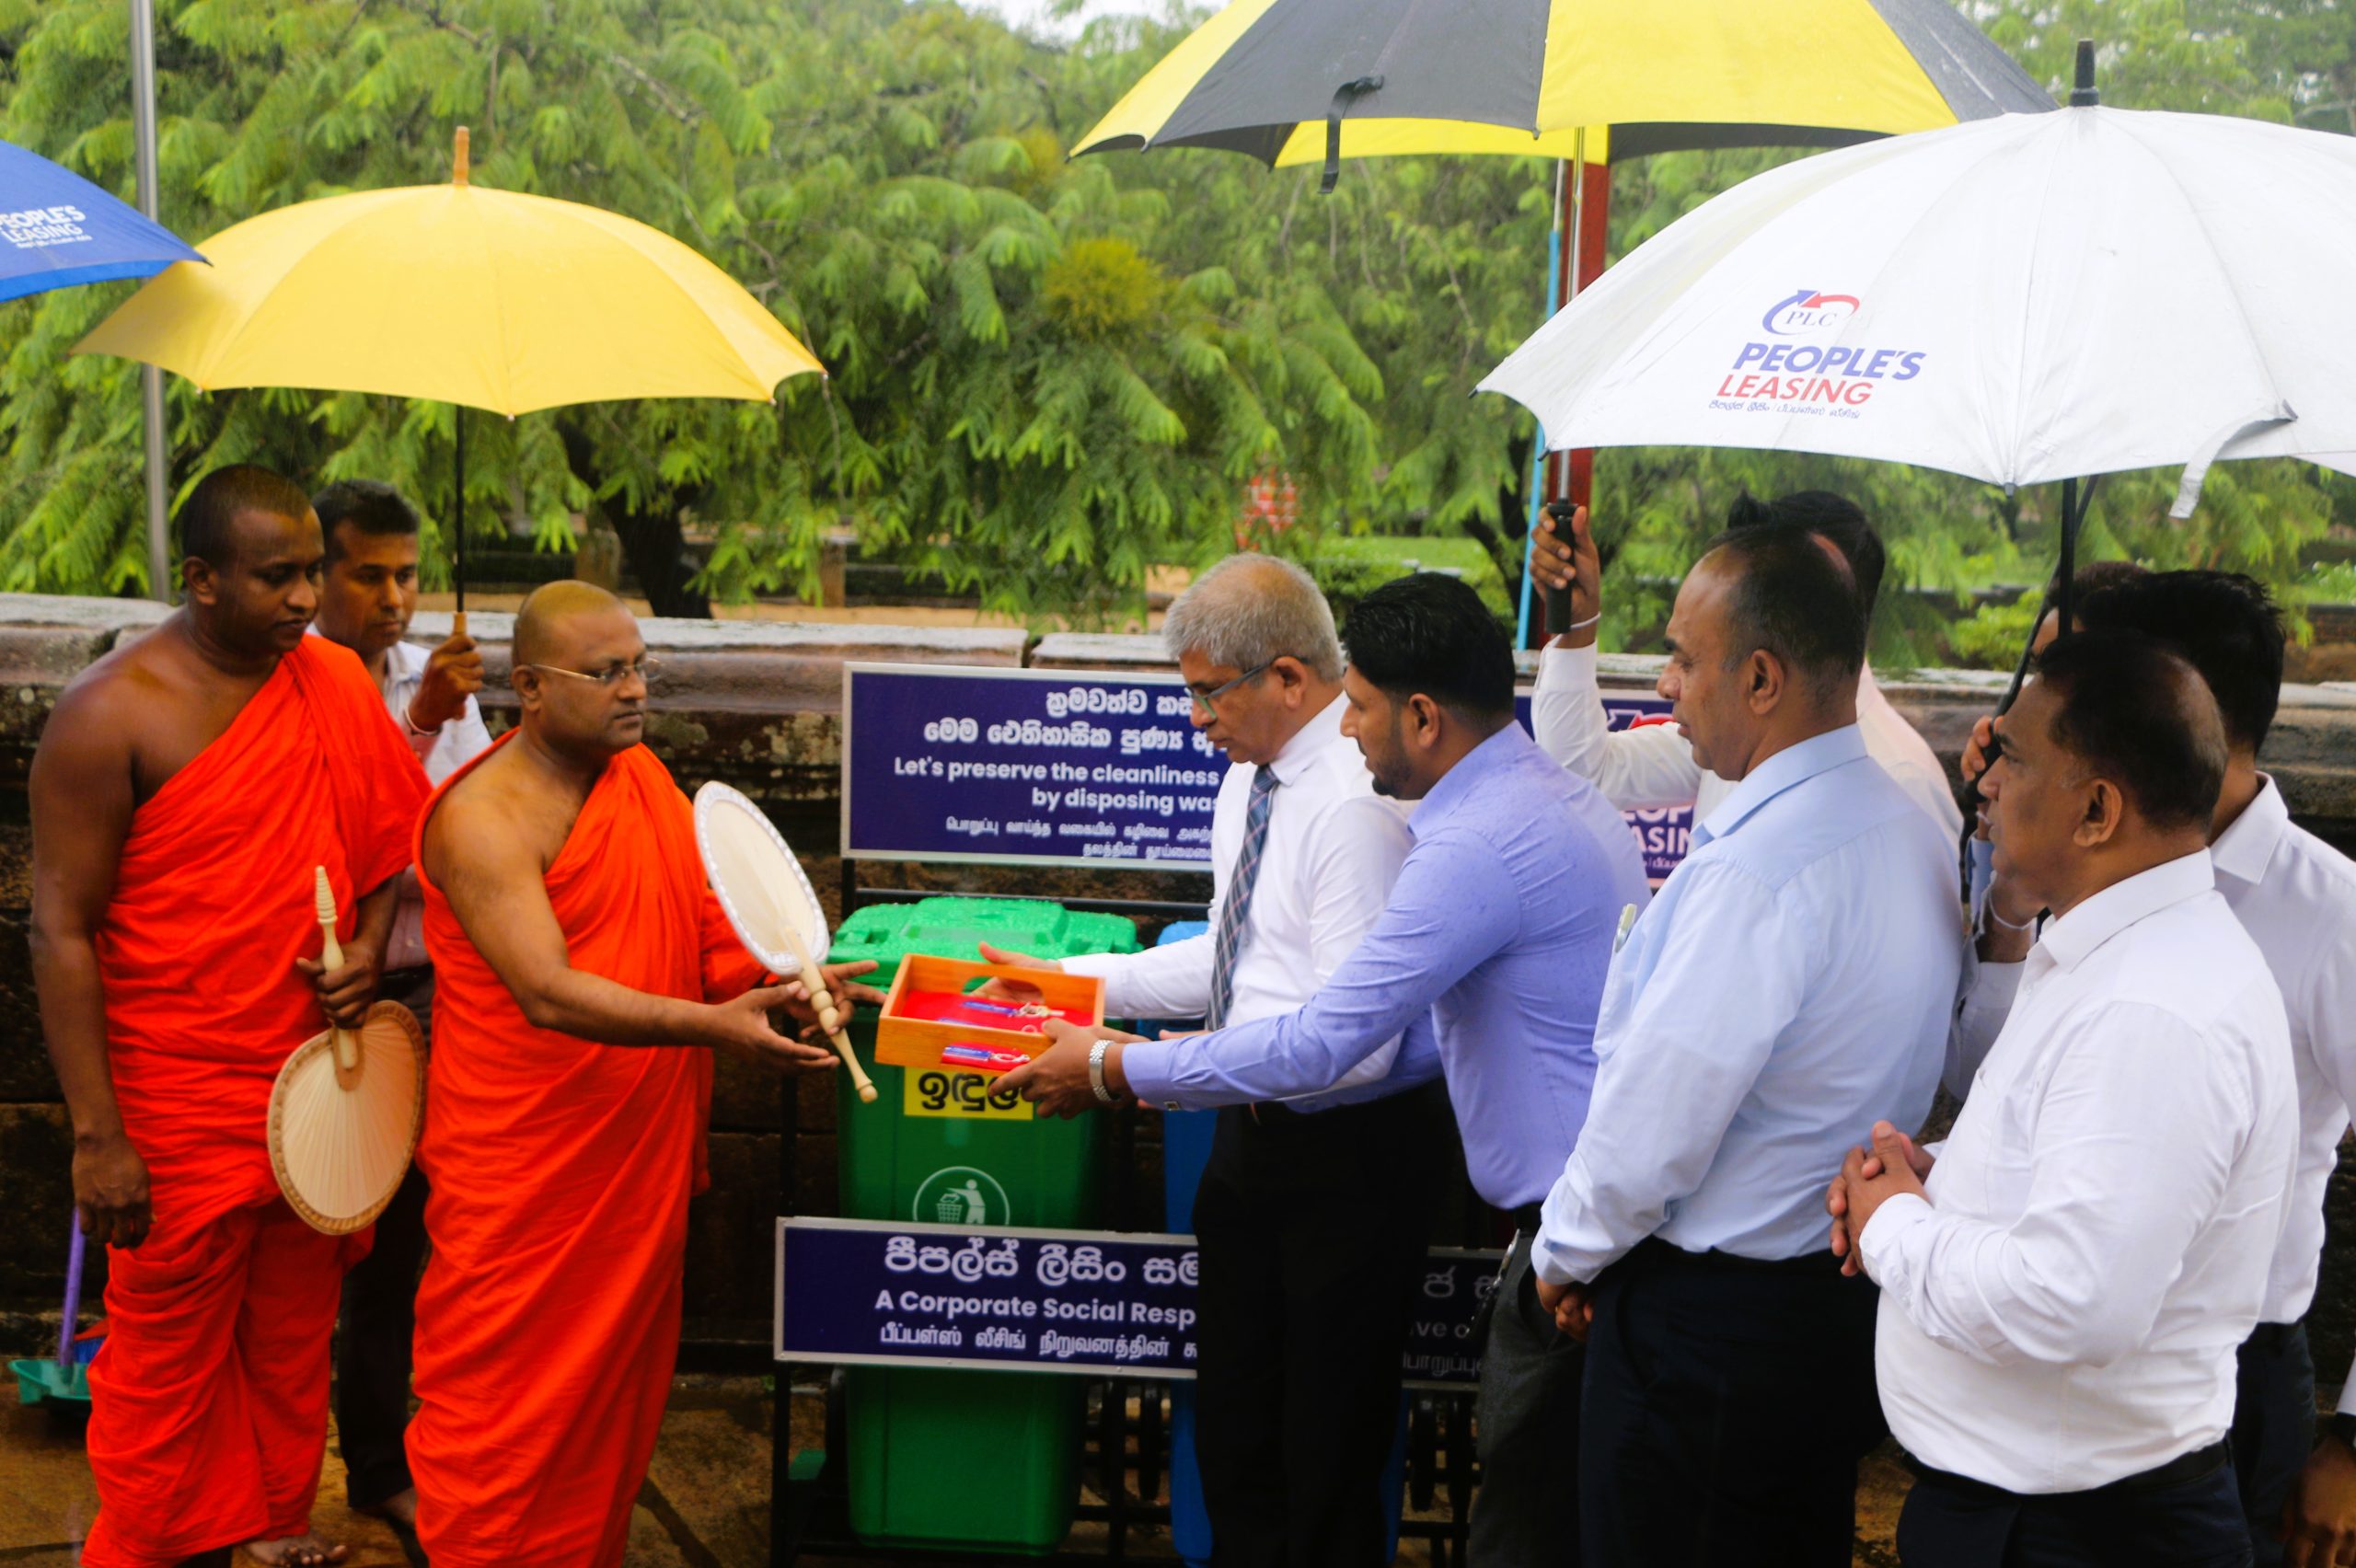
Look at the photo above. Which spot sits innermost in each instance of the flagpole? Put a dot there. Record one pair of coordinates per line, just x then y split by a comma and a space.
151, 380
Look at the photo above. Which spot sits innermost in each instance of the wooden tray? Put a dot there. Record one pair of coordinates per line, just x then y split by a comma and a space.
910, 1041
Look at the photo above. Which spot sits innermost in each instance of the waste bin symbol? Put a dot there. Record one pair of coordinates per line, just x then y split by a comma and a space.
961, 1196
963, 1205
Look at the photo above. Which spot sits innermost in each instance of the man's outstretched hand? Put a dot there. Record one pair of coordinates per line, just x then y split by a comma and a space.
743, 1028
841, 985
1055, 1080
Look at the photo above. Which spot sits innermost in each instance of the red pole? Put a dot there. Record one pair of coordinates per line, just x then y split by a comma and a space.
1572, 474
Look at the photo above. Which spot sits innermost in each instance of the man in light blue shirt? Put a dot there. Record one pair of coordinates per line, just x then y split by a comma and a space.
1489, 956
1794, 972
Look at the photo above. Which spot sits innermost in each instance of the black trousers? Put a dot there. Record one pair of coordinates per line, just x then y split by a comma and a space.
1725, 1408
1527, 1421
379, 1318
1951, 1522
1313, 1231
2274, 1428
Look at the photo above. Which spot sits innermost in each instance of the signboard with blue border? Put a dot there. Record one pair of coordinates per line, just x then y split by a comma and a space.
1069, 767
1010, 1298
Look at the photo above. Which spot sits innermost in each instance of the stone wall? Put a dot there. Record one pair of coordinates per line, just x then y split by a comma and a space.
759, 705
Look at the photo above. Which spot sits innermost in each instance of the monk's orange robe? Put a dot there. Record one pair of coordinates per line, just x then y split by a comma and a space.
549, 1320
209, 1397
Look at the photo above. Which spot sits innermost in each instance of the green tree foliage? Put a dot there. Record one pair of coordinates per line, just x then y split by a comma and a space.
1046, 376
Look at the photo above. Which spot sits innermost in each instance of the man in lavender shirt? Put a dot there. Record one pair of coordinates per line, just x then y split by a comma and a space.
1489, 956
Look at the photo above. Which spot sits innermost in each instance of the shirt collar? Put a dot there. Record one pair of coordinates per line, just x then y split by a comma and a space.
2069, 939
1309, 742
1496, 752
2244, 850
1793, 765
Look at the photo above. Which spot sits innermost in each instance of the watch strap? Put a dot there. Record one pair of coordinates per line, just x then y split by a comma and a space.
1096, 1073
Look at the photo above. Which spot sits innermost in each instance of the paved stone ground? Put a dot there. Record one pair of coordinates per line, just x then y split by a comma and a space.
705, 1503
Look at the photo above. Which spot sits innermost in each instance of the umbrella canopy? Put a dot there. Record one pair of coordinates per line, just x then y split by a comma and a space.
1293, 81
57, 229
486, 298
2027, 298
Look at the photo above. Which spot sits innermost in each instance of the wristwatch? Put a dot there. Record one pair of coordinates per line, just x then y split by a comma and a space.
2344, 1427
1096, 1072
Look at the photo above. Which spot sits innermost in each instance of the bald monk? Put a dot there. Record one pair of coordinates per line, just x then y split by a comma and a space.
185, 788
586, 976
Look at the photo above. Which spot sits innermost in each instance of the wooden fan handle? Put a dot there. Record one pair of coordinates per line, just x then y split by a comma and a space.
822, 1002
347, 1048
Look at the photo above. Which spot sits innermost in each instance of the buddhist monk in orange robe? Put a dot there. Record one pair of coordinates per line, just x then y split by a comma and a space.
586, 975
184, 790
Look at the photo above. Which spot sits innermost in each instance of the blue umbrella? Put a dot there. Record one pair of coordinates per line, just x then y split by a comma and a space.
58, 229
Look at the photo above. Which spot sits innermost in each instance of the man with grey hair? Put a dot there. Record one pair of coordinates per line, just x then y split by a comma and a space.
1313, 1213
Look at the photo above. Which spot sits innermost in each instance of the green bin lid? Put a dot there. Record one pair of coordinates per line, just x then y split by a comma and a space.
953, 927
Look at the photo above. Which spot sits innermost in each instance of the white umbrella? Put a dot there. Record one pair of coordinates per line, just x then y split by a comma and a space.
2031, 297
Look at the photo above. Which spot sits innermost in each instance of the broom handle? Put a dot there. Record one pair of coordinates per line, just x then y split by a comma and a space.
73, 1298
828, 1019
347, 1050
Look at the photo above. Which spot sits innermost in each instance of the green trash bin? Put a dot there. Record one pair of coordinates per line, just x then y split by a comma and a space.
963, 1460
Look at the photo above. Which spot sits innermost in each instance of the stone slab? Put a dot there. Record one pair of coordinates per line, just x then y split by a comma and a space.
1101, 651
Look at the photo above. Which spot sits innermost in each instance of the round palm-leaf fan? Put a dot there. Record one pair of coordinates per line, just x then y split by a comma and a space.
770, 904
345, 1112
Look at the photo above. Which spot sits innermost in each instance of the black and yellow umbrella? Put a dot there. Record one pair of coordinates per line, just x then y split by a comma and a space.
1294, 81
1585, 81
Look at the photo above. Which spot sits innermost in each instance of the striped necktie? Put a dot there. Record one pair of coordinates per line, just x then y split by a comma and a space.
1238, 907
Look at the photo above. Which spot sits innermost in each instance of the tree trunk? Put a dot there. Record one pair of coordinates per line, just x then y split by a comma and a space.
653, 545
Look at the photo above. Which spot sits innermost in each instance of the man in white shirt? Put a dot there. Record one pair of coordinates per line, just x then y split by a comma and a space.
1792, 975
2064, 1288
1313, 1214
2296, 897
367, 595
1650, 768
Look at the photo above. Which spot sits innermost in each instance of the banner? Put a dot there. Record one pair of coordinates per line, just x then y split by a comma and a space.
871, 1293
1070, 767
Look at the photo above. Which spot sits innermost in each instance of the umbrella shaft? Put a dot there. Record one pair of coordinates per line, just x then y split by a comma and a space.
459, 508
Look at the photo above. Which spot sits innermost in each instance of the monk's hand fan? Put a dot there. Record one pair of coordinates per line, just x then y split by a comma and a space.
345, 1113
770, 904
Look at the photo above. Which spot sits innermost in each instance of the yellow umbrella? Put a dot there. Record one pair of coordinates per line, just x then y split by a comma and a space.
487, 299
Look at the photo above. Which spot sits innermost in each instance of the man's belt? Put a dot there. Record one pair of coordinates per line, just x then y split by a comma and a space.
2182, 1470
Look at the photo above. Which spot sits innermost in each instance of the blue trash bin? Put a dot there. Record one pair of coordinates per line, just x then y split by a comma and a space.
1185, 1149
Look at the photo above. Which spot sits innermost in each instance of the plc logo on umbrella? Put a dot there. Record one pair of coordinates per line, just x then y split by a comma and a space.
1808, 311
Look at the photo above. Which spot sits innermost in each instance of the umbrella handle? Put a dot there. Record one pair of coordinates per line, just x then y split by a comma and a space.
828, 1019
347, 1044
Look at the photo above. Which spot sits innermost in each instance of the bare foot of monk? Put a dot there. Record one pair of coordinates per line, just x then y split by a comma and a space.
400, 1508
296, 1552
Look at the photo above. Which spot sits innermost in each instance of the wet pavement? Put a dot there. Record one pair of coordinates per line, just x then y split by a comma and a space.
705, 1503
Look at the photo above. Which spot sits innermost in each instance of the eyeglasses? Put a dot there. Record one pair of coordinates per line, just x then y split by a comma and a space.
1203, 699
647, 670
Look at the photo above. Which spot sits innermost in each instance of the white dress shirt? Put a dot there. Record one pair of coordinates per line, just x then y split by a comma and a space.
442, 752
1653, 766
1333, 850
1789, 984
2296, 897
2063, 1310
